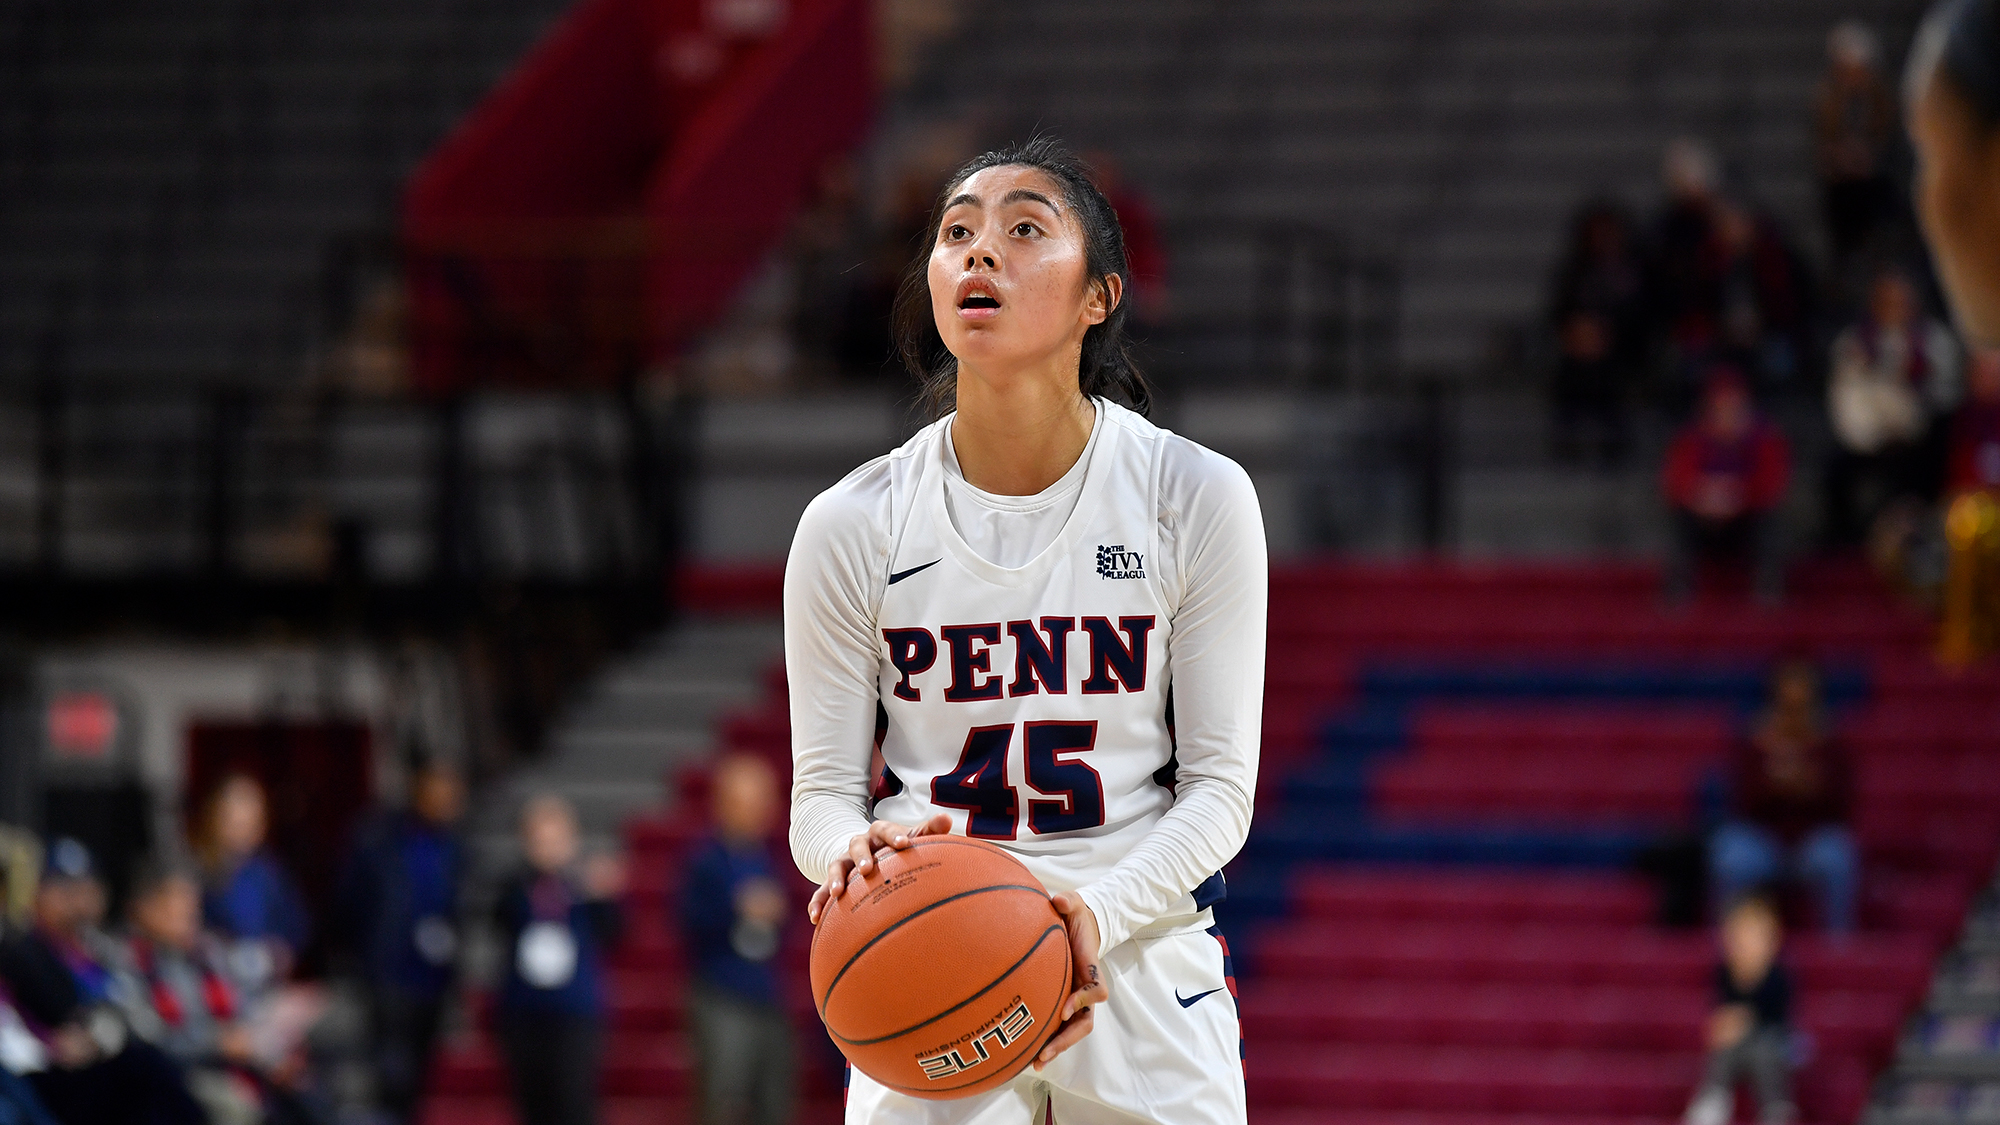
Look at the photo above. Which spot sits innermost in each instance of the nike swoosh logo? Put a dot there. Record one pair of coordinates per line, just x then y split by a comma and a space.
902, 574
1188, 1001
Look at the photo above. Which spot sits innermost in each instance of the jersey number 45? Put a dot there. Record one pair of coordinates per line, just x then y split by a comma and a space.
979, 782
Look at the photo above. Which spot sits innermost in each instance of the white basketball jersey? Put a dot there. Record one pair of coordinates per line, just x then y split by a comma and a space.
1031, 704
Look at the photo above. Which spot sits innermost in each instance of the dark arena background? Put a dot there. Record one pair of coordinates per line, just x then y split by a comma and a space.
406, 406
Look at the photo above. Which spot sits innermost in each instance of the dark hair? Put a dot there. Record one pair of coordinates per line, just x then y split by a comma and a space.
154, 872
1106, 366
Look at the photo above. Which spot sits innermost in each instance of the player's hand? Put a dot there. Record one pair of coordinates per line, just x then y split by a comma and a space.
860, 858
1076, 1015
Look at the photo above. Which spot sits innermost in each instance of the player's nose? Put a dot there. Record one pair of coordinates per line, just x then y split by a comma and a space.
981, 254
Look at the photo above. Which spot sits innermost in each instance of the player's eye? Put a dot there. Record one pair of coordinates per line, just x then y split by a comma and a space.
1024, 228
953, 232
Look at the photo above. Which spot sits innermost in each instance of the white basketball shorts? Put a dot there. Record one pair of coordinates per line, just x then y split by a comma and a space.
1166, 1049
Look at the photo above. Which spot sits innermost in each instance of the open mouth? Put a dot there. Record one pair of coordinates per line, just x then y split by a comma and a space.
977, 293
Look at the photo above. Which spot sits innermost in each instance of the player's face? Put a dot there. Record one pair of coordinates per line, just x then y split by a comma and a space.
1008, 274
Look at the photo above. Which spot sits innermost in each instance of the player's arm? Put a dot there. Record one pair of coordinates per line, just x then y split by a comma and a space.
833, 582
1218, 684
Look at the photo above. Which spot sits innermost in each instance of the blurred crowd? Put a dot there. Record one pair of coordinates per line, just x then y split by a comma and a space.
190, 1001
1712, 311
185, 1002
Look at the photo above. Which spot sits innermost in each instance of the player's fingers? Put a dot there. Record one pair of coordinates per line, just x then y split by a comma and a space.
836, 878
821, 896
861, 851
938, 825
1094, 991
889, 834
1073, 1030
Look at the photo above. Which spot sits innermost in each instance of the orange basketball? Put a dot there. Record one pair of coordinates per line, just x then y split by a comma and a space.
940, 976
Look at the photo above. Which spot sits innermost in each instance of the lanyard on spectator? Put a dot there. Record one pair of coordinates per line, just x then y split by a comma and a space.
221, 999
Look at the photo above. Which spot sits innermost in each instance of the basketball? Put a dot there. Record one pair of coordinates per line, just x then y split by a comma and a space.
941, 974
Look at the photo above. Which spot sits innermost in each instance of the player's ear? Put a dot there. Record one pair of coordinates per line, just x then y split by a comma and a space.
1103, 297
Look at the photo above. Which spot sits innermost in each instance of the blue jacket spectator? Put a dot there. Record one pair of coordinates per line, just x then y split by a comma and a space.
558, 920
733, 910
730, 951
248, 894
399, 913
557, 935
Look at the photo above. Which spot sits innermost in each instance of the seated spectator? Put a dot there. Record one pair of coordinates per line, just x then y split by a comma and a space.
1598, 311
557, 922
1749, 1032
1684, 226
1854, 127
733, 910
1752, 298
21, 1054
1894, 381
1145, 250
249, 895
1793, 796
1971, 626
58, 977
1972, 461
18, 1103
1730, 286
1725, 476
178, 993
399, 906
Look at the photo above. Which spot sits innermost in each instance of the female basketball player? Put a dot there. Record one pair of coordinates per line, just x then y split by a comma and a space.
1050, 615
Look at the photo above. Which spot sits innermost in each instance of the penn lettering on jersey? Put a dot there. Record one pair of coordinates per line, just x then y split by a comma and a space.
978, 660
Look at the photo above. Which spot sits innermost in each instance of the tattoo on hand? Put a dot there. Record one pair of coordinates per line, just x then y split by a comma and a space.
1093, 973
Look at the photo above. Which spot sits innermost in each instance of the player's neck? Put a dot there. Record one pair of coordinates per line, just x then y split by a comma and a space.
1019, 437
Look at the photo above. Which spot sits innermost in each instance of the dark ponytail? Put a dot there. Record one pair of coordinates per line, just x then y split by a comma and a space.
1106, 367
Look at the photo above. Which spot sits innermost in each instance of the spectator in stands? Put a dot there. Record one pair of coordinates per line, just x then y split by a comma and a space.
1731, 287
1855, 124
1973, 453
1972, 521
559, 918
1749, 1032
863, 344
830, 250
1894, 381
733, 910
58, 976
248, 894
1792, 794
21, 1053
18, 1103
1753, 295
399, 909
1145, 252
1684, 227
1598, 309
1726, 474
178, 992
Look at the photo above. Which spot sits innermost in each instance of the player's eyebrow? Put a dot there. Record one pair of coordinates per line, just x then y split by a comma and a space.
1019, 194
1015, 196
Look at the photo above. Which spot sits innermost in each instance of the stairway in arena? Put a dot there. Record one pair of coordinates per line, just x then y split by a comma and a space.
1437, 919
175, 179
1456, 135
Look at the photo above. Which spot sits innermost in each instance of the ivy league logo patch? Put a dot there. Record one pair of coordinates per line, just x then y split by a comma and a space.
1117, 562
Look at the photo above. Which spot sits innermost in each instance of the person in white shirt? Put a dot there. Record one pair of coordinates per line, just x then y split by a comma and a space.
1050, 614
1894, 381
